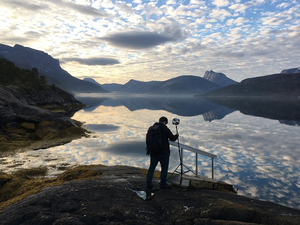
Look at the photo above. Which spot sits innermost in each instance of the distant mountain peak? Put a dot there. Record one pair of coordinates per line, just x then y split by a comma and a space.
218, 78
290, 71
91, 80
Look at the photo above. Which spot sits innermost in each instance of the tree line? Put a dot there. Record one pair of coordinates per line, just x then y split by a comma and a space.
11, 75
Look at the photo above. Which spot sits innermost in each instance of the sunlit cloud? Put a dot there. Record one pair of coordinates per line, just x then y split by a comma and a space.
160, 40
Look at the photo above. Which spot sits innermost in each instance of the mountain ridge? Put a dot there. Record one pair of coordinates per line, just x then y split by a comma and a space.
184, 84
274, 86
28, 58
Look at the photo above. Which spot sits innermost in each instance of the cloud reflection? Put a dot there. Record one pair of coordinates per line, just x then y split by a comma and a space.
258, 156
101, 127
132, 149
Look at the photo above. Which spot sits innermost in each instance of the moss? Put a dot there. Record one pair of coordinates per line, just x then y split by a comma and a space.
46, 133
32, 172
28, 126
78, 173
17, 186
155, 175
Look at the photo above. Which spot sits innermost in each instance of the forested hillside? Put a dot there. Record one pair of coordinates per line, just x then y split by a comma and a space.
10, 75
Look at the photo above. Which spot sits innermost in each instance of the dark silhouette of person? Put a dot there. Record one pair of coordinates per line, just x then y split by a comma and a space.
162, 156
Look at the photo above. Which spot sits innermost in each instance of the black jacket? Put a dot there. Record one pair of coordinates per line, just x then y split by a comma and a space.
166, 135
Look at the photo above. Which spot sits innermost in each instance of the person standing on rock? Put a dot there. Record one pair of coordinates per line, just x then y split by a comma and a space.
158, 147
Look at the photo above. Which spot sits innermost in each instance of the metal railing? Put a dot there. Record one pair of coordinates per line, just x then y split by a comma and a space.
181, 165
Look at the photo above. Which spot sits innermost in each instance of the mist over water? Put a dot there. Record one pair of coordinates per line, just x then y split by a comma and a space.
259, 156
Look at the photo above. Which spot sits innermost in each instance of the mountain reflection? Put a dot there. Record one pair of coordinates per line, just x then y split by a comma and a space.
287, 111
181, 106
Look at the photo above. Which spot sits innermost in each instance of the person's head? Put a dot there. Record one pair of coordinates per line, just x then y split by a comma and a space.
164, 120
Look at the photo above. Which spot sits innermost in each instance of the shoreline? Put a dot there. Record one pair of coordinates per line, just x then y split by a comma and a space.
109, 194
28, 136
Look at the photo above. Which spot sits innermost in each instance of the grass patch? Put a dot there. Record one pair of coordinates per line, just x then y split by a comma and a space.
155, 175
79, 173
23, 183
32, 172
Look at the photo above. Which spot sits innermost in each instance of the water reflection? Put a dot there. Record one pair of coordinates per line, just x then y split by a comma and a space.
182, 106
258, 156
286, 110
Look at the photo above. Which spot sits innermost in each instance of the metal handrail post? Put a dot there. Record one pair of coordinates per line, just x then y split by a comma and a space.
196, 164
197, 151
212, 168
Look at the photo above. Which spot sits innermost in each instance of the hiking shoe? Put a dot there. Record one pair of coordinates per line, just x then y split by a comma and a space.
165, 187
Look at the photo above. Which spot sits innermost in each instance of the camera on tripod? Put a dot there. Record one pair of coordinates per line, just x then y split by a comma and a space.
175, 121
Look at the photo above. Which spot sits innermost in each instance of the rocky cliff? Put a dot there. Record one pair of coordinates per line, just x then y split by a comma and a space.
31, 111
292, 70
218, 78
28, 58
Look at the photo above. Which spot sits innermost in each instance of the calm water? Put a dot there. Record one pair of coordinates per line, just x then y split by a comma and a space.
259, 156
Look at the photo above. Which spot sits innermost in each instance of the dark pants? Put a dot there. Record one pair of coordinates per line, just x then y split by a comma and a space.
164, 162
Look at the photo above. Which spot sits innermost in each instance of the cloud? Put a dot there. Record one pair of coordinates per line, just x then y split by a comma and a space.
175, 31
126, 8
220, 3
16, 4
17, 39
84, 9
239, 7
136, 39
220, 14
32, 6
92, 61
172, 32
191, 47
230, 54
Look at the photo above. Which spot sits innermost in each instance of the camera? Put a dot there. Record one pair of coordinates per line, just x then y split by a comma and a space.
176, 121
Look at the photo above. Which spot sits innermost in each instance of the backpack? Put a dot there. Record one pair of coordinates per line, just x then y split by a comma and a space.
153, 139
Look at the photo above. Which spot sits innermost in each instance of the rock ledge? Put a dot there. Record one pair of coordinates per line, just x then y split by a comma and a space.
109, 197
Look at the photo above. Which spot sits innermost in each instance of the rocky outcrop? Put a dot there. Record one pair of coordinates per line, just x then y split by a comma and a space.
218, 78
22, 125
289, 71
33, 112
115, 195
50, 98
26, 109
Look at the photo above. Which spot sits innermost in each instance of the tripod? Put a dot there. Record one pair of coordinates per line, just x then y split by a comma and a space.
181, 166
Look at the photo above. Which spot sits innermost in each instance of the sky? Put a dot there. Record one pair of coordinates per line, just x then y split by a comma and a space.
115, 41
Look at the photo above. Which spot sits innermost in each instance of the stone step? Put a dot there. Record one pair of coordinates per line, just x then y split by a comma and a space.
200, 182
